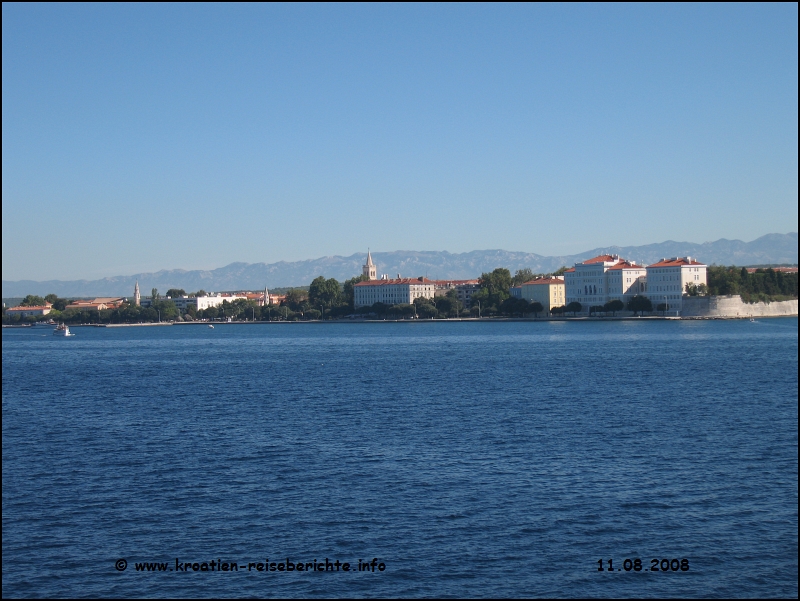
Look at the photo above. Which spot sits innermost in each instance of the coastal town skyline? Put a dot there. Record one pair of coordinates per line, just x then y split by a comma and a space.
771, 249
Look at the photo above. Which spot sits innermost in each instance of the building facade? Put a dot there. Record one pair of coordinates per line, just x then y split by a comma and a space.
626, 280
550, 292
667, 280
98, 304
464, 289
31, 310
603, 278
392, 292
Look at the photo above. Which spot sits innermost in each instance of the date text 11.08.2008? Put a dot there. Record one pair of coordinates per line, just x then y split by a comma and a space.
656, 565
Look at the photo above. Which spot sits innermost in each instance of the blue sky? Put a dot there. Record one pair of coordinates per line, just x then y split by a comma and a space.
142, 137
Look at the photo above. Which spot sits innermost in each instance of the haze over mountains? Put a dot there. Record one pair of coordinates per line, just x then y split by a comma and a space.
771, 248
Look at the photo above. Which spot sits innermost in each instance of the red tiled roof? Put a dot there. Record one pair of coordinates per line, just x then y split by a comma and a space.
676, 262
30, 308
570, 270
625, 265
601, 259
396, 281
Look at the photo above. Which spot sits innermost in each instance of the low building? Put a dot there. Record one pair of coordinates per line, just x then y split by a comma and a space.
775, 269
549, 291
515, 291
392, 292
31, 310
200, 303
98, 304
464, 289
667, 280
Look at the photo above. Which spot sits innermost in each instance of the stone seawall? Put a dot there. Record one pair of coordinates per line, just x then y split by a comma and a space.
732, 306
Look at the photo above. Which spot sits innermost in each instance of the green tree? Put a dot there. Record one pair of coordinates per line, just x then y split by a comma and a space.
521, 276
295, 297
639, 304
494, 289
32, 301
613, 306
536, 308
514, 306
425, 308
574, 307
176, 292
166, 308
496, 282
448, 305
324, 292
560, 271
154, 294
51, 298
200, 292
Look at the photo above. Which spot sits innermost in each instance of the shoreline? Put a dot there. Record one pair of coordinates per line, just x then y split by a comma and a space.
448, 320
412, 321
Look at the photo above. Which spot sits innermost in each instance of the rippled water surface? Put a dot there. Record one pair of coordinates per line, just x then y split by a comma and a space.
471, 459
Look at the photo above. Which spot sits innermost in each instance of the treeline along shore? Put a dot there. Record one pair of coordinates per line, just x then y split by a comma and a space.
329, 299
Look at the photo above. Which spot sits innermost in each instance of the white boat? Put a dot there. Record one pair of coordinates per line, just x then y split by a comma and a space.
62, 330
210, 326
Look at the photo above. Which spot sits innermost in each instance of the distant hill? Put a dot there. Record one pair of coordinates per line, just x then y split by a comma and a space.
769, 249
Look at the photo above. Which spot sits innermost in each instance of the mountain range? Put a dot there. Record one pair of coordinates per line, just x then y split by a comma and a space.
768, 249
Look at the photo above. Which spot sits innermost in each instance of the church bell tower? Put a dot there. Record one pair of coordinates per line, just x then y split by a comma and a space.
369, 268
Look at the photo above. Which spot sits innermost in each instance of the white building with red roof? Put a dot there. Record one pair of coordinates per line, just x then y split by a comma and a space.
587, 282
667, 280
604, 278
392, 292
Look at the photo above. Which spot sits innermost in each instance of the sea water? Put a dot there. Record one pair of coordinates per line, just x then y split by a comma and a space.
451, 459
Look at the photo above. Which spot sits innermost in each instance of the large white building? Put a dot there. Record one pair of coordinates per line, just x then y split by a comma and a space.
389, 292
667, 280
608, 277
603, 278
392, 292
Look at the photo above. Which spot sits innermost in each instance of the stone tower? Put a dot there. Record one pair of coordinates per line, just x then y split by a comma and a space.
369, 268
137, 296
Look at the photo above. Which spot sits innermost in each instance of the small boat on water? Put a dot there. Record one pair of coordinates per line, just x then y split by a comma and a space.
62, 330
210, 326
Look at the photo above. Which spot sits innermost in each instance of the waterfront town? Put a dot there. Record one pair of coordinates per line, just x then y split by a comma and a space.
603, 286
